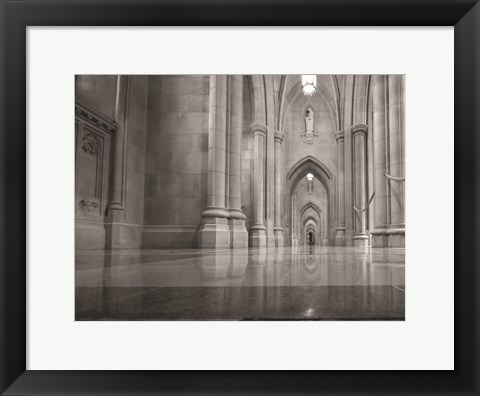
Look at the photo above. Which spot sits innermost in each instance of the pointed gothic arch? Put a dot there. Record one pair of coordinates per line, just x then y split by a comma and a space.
311, 205
297, 172
296, 90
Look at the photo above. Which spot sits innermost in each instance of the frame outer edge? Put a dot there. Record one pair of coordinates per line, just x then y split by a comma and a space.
12, 197
12, 246
467, 199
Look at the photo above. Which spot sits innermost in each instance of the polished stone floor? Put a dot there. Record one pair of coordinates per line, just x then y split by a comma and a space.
303, 283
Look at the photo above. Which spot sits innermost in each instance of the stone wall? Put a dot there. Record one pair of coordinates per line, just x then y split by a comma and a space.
297, 147
323, 146
98, 91
176, 160
109, 182
143, 166
93, 136
124, 226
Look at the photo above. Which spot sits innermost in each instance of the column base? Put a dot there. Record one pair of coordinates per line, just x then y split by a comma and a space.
123, 236
379, 239
238, 234
279, 239
89, 236
348, 237
119, 235
340, 239
271, 240
214, 232
360, 240
396, 237
324, 241
258, 237
111, 230
295, 240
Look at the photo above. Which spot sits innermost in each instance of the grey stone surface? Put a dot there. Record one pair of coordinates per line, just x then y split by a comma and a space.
314, 283
184, 161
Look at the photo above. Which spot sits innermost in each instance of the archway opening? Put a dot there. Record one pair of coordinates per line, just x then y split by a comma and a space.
310, 238
309, 186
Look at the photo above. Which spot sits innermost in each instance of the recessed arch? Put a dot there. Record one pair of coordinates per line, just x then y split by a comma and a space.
308, 105
311, 217
310, 224
312, 163
311, 205
312, 220
296, 90
321, 172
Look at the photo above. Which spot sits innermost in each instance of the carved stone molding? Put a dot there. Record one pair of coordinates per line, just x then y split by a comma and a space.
90, 206
339, 136
258, 129
394, 178
92, 144
309, 137
359, 128
93, 117
279, 135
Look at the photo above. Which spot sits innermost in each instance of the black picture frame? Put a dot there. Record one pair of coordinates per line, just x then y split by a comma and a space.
16, 15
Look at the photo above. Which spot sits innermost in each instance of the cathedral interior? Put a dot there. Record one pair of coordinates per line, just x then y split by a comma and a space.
239, 197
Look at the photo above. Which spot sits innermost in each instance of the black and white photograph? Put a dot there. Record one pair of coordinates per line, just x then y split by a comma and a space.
240, 197
221, 191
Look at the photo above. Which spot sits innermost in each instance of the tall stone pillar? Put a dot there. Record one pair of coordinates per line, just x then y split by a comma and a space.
115, 208
380, 219
270, 148
340, 234
236, 220
278, 229
116, 202
257, 230
359, 133
214, 231
324, 228
396, 170
295, 220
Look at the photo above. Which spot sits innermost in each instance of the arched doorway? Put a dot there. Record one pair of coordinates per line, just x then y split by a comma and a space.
310, 237
304, 202
310, 232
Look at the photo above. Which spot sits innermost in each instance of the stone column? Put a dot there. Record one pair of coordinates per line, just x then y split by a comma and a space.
116, 208
324, 228
270, 147
340, 234
236, 220
359, 133
214, 231
257, 230
396, 229
380, 220
295, 221
116, 201
278, 229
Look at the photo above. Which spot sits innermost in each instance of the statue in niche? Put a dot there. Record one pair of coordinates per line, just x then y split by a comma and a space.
309, 119
309, 135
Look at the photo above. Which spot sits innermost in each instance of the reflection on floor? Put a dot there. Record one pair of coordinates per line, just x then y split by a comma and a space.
314, 283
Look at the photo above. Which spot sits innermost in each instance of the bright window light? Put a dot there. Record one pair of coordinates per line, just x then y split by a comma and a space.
309, 84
